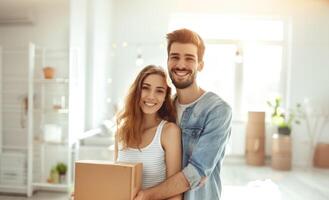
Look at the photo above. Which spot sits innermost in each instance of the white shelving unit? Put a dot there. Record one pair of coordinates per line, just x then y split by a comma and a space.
48, 115
26, 106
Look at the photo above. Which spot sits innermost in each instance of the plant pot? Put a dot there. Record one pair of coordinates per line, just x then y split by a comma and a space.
54, 176
62, 178
281, 152
49, 72
284, 130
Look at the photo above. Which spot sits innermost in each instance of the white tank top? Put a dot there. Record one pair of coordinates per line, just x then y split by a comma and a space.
152, 156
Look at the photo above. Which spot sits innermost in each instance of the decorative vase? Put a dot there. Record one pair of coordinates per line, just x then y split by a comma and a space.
255, 139
48, 72
321, 156
281, 152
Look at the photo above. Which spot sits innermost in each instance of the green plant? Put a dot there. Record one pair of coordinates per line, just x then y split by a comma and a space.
283, 120
61, 168
53, 175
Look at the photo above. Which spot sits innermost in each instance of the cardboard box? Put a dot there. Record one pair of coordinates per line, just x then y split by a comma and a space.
102, 180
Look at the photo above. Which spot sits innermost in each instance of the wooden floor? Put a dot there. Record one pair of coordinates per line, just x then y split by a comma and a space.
247, 182
259, 183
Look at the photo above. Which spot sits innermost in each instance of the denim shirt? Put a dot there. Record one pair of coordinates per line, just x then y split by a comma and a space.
206, 127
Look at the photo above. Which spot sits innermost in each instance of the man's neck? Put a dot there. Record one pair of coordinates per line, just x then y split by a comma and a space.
190, 94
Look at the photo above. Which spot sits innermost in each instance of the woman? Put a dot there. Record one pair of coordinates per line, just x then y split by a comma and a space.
146, 129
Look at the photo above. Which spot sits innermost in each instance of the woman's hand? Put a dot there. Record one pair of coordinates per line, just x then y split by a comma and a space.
141, 195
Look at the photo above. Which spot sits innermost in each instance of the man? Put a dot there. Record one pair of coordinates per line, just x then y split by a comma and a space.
205, 121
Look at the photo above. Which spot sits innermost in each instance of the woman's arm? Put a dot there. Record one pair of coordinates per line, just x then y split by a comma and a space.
172, 145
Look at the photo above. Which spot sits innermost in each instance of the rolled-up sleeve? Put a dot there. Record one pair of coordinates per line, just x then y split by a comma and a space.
192, 175
210, 148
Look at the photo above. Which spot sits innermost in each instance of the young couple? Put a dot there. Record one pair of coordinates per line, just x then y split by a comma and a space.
180, 158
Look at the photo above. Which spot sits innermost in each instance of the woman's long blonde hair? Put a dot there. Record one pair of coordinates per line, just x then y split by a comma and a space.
130, 118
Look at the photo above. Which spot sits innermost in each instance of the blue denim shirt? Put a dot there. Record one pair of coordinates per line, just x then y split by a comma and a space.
206, 127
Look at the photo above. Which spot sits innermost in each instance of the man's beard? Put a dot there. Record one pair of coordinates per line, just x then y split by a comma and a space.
182, 84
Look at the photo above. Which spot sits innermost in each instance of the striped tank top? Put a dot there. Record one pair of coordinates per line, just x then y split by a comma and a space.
152, 156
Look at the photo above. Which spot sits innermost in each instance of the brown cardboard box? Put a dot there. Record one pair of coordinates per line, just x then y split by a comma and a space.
102, 180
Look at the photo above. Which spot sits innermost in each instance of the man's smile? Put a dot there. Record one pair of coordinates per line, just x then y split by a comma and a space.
181, 73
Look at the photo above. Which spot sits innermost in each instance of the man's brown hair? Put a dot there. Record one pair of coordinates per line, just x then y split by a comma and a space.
186, 36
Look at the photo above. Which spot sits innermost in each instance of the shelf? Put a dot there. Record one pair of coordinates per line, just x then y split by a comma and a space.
14, 148
19, 92
50, 100
51, 186
14, 106
18, 131
43, 142
13, 189
15, 80
53, 111
52, 81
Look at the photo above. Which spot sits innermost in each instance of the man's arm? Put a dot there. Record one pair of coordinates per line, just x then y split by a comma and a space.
206, 154
176, 183
209, 150
173, 186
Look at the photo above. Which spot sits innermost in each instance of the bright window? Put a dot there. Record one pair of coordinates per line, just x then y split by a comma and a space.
243, 58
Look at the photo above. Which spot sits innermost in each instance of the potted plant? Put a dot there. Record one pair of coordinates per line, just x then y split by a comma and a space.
61, 169
49, 72
280, 118
315, 115
53, 176
281, 140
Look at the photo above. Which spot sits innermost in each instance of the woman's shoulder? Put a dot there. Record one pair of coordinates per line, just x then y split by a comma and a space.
170, 128
170, 133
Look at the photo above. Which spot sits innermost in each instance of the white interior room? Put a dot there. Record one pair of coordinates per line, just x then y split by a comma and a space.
255, 51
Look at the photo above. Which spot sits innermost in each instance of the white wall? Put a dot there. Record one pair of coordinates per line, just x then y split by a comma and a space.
78, 65
141, 24
50, 29
99, 44
146, 21
310, 69
91, 33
